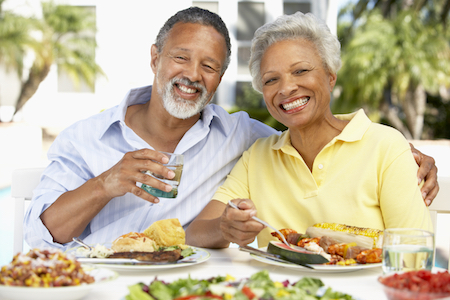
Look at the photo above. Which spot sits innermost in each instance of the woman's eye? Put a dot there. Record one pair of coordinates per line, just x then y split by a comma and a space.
269, 81
300, 71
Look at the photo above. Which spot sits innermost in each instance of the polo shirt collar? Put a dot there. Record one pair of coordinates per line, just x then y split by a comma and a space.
356, 128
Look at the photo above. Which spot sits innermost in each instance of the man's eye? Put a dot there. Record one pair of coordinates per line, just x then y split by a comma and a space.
300, 71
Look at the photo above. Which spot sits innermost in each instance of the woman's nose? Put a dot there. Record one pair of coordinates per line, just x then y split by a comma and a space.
287, 86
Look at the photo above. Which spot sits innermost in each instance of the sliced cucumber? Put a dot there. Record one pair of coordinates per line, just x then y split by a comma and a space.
295, 256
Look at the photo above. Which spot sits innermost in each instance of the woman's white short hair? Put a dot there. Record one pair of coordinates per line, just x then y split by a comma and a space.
290, 27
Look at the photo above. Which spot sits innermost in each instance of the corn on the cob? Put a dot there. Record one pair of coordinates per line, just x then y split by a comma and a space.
363, 237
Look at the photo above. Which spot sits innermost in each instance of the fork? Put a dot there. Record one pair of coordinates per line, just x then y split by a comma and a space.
264, 223
77, 240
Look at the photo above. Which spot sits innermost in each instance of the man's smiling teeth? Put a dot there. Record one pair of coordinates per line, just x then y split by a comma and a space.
295, 104
185, 89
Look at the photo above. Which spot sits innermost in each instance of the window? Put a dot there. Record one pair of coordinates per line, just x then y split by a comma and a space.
251, 16
69, 79
291, 7
212, 6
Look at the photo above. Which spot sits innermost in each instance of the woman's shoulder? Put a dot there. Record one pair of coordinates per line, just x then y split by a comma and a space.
385, 131
386, 136
270, 141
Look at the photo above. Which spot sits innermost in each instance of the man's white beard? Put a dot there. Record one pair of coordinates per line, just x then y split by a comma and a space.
179, 107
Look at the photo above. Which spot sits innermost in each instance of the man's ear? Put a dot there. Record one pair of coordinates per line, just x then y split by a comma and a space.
154, 58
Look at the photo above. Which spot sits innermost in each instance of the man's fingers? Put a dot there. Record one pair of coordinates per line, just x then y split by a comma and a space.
151, 155
429, 194
153, 182
144, 195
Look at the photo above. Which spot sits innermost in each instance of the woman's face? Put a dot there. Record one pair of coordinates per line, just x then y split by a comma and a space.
296, 87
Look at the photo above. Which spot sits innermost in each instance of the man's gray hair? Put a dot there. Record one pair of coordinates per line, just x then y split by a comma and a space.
293, 27
195, 15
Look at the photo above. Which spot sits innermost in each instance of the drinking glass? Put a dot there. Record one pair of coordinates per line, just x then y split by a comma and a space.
406, 249
176, 165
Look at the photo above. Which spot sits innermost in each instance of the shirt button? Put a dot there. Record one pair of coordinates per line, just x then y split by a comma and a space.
320, 166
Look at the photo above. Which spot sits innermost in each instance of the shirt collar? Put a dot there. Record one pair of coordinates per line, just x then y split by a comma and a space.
354, 131
142, 95
356, 128
134, 96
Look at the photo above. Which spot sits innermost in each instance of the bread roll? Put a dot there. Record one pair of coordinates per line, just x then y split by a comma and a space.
168, 232
134, 242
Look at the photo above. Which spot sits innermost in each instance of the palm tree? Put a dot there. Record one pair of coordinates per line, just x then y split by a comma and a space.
391, 64
14, 40
68, 40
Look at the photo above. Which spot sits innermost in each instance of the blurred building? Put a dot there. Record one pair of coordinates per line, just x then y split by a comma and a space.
126, 31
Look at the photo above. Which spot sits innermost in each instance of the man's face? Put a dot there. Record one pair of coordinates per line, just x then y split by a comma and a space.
188, 70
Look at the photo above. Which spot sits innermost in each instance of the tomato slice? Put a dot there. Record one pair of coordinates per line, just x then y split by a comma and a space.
248, 292
207, 296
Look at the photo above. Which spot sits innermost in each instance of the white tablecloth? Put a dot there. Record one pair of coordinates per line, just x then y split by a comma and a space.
361, 284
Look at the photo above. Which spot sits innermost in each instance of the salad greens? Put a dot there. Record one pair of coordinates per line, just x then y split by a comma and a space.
258, 287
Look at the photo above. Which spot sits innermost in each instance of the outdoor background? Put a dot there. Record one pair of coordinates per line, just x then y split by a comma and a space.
60, 64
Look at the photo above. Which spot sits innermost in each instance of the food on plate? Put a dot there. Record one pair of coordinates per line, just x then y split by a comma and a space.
167, 232
340, 244
369, 256
133, 241
298, 256
99, 251
44, 268
363, 237
258, 286
162, 255
417, 285
163, 241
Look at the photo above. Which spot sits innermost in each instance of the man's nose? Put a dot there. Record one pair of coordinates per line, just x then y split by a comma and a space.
193, 72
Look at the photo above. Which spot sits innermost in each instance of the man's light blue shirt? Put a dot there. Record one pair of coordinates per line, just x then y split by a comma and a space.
91, 146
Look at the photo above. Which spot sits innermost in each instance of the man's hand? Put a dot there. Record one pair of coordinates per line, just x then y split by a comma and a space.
428, 172
123, 176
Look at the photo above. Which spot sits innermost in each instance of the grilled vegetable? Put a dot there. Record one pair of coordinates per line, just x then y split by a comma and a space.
363, 237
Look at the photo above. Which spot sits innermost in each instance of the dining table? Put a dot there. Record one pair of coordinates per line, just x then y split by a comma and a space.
362, 284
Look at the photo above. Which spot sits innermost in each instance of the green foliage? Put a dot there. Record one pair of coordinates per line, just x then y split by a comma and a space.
71, 31
249, 98
252, 102
65, 35
392, 58
437, 118
14, 39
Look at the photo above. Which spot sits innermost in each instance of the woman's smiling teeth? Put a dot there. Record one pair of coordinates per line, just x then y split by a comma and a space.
185, 89
295, 104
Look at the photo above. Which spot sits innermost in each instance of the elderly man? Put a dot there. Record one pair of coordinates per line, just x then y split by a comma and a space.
89, 189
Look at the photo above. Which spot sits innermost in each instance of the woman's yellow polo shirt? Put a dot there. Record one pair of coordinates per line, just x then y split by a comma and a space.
366, 176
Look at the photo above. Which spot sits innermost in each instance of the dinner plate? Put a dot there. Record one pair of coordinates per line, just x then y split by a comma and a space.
100, 275
200, 255
317, 268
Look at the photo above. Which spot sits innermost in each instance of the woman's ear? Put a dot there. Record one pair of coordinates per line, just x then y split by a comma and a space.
333, 78
154, 58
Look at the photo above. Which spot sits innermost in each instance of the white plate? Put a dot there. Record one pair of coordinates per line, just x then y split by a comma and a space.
317, 268
200, 255
57, 293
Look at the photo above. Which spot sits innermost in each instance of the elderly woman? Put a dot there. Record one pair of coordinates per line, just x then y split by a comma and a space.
324, 168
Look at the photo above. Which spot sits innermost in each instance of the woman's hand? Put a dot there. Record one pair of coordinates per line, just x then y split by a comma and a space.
237, 225
428, 173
